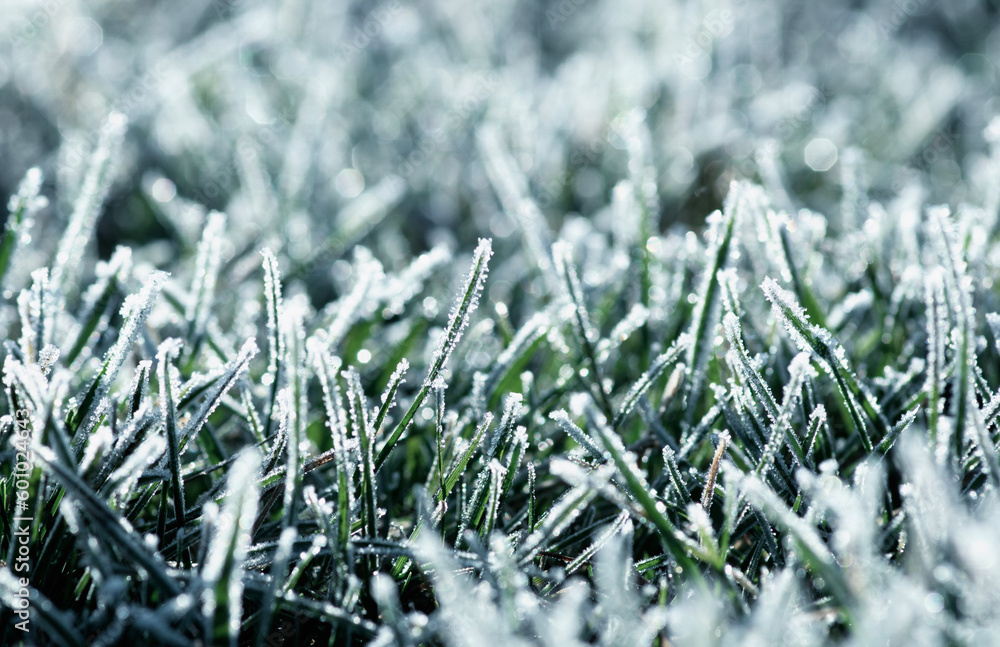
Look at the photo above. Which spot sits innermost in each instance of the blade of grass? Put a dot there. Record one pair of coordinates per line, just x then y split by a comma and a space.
168, 411
467, 303
832, 357
21, 217
720, 236
660, 364
223, 570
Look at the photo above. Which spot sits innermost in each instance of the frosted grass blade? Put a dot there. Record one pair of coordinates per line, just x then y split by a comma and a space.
87, 206
579, 435
637, 488
562, 513
458, 321
166, 374
813, 551
22, 208
439, 388
762, 393
613, 529
292, 468
660, 364
275, 340
135, 310
37, 307
585, 331
327, 368
223, 570
113, 527
674, 476
831, 355
636, 318
233, 371
800, 285
388, 399
370, 273
111, 279
936, 314
364, 432
462, 462
294, 415
516, 355
958, 289
512, 465
206, 273
720, 236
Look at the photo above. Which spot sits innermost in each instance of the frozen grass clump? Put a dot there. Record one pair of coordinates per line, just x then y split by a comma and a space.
598, 323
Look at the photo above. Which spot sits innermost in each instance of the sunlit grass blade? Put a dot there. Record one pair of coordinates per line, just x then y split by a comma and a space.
719, 238
581, 437
958, 287
660, 364
327, 368
292, 467
516, 355
831, 355
637, 488
223, 570
936, 315
166, 374
388, 399
87, 207
22, 208
461, 462
586, 334
369, 272
365, 434
135, 311
111, 278
458, 321
233, 371
560, 515
206, 273
275, 340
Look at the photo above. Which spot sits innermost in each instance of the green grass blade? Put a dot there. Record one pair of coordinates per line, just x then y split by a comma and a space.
458, 321
168, 411
720, 237
223, 570
21, 217
831, 355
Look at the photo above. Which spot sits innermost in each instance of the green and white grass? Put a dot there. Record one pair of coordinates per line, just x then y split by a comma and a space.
405, 477
286, 396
